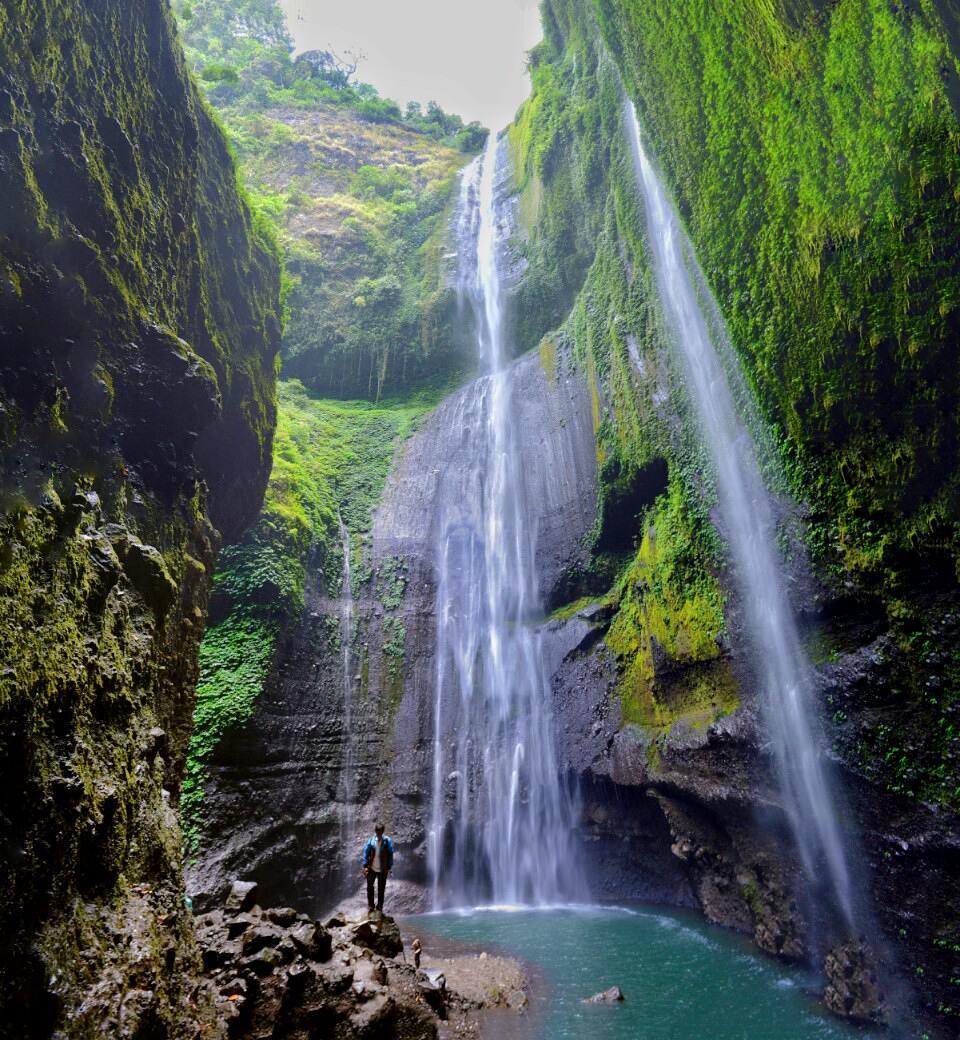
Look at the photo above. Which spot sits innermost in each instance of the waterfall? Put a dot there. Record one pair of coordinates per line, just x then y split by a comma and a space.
347, 793
501, 818
782, 670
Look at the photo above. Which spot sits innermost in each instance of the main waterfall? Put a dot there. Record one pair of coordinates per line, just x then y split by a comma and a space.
501, 818
781, 667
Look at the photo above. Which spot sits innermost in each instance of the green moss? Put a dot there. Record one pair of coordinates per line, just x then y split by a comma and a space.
331, 461
391, 582
141, 299
815, 161
569, 610
667, 626
548, 358
235, 657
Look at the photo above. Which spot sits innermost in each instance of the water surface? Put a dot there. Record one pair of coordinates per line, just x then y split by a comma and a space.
683, 979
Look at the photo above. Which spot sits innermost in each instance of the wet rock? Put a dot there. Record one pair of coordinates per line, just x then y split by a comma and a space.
372, 1015
284, 915
313, 940
242, 896
853, 989
613, 995
259, 937
433, 989
379, 934
264, 961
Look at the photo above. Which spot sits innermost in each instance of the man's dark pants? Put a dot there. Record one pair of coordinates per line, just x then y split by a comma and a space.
381, 885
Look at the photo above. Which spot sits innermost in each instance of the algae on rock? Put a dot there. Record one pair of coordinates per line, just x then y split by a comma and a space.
139, 323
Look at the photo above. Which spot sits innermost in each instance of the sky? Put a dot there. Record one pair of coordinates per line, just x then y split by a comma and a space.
468, 55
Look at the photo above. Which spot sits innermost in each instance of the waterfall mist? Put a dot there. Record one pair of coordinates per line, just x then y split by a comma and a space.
781, 668
501, 819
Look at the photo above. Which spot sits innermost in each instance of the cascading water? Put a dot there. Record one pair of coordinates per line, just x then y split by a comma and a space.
782, 669
347, 793
501, 817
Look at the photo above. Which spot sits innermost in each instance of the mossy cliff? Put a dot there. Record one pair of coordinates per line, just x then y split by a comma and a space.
812, 153
362, 197
655, 557
139, 324
361, 194
330, 464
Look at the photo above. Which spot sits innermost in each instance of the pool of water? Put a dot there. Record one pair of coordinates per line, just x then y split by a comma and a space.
682, 979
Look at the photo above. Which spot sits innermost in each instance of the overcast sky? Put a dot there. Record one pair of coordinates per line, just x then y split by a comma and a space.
468, 55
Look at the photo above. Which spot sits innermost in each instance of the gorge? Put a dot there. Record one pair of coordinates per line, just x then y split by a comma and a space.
608, 552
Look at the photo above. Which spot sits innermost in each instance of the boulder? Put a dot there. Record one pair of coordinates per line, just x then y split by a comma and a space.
380, 934
313, 940
258, 937
242, 896
432, 986
853, 989
281, 915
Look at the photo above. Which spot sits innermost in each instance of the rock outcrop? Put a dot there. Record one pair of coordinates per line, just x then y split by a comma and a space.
139, 321
277, 973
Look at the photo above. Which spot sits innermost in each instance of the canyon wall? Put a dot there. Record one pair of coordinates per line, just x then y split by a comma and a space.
139, 323
811, 150
840, 347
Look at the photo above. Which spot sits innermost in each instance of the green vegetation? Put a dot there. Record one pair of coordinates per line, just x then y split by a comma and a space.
656, 557
139, 323
241, 50
814, 158
360, 194
331, 460
670, 610
813, 153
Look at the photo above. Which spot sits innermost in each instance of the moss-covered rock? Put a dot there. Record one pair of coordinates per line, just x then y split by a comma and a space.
139, 322
361, 194
812, 152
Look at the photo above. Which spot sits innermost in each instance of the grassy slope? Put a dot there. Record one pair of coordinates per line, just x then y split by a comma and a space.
360, 193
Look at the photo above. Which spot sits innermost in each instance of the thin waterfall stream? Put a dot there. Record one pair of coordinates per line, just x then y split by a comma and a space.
501, 818
348, 787
782, 670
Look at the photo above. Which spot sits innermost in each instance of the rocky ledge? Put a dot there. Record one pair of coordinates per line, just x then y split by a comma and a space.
276, 973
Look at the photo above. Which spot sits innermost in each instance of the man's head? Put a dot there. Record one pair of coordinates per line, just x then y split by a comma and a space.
378, 830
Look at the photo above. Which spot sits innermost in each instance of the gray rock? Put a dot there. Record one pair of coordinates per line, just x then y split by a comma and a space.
613, 995
432, 986
380, 935
313, 940
242, 896
284, 915
259, 937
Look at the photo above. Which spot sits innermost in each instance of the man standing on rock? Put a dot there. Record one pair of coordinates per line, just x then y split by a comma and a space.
377, 863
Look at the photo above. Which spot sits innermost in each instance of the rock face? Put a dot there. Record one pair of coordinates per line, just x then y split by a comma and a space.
139, 319
274, 802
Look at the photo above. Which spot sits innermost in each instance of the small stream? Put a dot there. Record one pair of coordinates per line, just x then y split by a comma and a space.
683, 979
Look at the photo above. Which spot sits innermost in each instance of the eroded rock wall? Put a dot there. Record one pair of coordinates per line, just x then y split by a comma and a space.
139, 320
